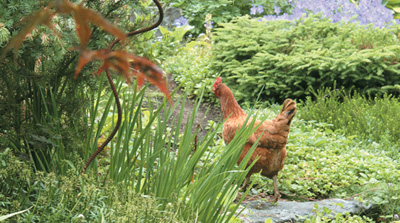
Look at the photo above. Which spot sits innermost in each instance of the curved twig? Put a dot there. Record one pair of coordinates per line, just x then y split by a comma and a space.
160, 19
104, 144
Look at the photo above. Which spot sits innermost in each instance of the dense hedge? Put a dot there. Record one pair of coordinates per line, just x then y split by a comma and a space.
284, 58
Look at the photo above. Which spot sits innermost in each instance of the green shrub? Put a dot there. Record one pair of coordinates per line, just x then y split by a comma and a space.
285, 58
369, 118
191, 68
15, 182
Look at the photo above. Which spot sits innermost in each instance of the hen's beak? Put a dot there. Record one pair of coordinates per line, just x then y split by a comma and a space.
215, 90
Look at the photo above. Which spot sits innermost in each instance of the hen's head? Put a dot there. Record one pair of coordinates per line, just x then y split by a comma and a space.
216, 86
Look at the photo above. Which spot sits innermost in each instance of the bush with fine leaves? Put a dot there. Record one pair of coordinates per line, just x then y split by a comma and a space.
370, 118
191, 68
285, 57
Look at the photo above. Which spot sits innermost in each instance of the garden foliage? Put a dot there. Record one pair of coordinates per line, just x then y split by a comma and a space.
53, 198
28, 91
50, 122
191, 67
369, 118
285, 58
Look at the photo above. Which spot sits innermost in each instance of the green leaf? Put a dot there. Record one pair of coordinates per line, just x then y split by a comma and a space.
269, 220
164, 31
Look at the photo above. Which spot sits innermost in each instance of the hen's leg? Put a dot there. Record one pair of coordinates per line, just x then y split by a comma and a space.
277, 195
246, 181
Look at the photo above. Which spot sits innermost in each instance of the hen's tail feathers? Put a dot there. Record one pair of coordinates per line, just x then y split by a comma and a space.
289, 110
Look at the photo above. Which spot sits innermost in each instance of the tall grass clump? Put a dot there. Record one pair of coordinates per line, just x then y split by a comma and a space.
150, 172
371, 119
152, 155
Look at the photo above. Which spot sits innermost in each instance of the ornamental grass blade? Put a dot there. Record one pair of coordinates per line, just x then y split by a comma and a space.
43, 17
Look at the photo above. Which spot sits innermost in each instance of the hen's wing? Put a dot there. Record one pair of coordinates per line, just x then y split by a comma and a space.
274, 133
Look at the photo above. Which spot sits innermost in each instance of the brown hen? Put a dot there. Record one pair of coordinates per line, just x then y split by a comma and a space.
273, 134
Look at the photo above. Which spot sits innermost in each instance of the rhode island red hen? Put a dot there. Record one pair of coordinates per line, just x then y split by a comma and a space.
271, 148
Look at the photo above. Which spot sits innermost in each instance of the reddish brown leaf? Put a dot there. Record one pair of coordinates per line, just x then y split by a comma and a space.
122, 62
40, 18
82, 28
140, 79
86, 57
150, 71
98, 20
83, 16
64, 6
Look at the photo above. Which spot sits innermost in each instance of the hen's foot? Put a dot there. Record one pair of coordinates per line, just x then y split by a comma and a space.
245, 184
274, 198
